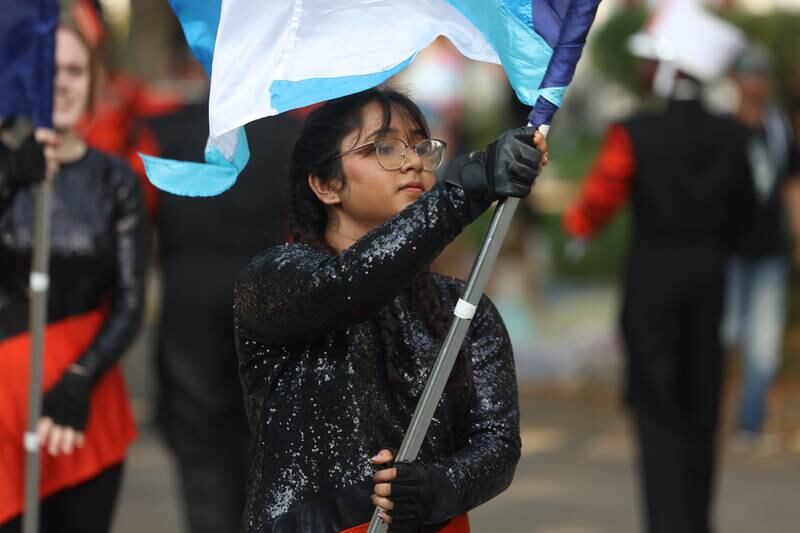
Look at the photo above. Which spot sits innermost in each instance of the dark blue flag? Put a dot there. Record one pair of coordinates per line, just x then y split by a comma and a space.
27, 59
564, 25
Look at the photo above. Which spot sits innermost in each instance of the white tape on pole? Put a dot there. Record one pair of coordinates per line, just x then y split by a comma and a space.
464, 309
39, 281
31, 441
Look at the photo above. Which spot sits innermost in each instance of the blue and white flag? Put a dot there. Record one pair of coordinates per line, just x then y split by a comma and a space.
27, 59
265, 57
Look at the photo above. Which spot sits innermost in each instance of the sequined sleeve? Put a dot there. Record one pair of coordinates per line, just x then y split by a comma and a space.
5, 176
130, 262
7, 297
484, 466
293, 292
24, 164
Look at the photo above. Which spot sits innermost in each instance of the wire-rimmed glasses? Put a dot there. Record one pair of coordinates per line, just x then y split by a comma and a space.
392, 152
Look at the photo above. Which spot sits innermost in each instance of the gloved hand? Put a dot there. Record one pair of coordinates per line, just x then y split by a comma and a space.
412, 494
25, 165
67, 403
508, 167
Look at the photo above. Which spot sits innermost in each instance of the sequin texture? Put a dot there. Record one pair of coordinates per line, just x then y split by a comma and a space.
316, 390
98, 253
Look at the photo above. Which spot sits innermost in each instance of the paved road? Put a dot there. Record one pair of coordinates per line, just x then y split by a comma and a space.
576, 476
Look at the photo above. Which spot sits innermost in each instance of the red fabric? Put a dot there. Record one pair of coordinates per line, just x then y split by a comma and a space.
606, 188
301, 113
89, 22
459, 524
117, 125
109, 431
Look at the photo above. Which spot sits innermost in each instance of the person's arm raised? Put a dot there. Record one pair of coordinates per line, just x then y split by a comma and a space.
294, 292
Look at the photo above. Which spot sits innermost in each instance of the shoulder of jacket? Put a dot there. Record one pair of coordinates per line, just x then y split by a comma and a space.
284, 255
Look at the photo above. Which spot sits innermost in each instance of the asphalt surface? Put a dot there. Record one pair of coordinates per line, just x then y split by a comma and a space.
577, 475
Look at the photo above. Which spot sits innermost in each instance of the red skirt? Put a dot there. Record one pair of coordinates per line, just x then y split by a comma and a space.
459, 524
109, 431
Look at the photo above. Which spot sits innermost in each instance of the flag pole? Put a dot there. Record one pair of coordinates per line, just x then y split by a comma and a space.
39, 284
464, 311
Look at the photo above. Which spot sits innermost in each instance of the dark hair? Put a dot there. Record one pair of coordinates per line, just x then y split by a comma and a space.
314, 153
320, 141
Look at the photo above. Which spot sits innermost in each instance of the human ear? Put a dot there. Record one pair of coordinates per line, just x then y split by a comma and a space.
326, 190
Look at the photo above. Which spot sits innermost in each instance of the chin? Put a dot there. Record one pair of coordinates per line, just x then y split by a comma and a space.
64, 122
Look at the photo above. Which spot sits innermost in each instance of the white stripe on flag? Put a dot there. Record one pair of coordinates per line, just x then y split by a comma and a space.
310, 39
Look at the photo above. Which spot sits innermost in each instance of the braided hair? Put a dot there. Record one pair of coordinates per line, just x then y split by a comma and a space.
319, 141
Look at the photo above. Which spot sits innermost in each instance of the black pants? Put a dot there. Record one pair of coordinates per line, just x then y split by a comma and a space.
84, 508
671, 322
201, 414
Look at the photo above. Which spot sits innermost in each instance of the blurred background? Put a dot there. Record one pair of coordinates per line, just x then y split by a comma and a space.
577, 473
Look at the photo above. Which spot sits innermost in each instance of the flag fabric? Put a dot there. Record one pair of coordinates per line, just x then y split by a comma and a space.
267, 57
27, 59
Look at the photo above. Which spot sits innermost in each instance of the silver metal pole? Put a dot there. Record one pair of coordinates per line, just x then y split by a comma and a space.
478, 278
476, 284
39, 284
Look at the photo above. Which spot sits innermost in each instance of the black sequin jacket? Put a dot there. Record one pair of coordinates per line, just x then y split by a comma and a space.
315, 384
98, 253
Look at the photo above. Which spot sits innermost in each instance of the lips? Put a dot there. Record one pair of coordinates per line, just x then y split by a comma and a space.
414, 186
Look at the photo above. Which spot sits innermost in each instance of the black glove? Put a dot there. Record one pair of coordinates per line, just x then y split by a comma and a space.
508, 167
413, 491
26, 163
67, 403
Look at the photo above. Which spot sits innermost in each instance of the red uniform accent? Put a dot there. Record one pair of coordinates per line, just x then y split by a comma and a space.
117, 125
109, 431
459, 524
606, 188
89, 22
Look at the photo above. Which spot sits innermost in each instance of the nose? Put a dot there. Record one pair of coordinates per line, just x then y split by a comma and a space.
60, 80
413, 162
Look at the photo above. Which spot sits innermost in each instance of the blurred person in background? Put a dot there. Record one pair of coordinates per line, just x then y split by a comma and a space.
758, 275
118, 124
97, 271
203, 244
686, 173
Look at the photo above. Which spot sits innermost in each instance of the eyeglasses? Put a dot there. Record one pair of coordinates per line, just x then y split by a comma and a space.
391, 152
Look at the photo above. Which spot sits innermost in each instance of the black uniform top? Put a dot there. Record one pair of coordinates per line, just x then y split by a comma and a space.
692, 178
316, 390
203, 244
774, 158
205, 240
98, 251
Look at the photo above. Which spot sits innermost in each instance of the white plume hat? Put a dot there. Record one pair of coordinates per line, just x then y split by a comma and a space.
693, 40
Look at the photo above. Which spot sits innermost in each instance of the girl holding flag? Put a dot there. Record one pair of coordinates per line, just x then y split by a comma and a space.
337, 331
95, 303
